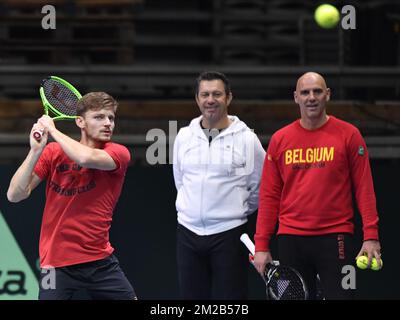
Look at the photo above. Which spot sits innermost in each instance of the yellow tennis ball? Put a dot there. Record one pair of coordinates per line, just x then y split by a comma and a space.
326, 16
362, 262
375, 265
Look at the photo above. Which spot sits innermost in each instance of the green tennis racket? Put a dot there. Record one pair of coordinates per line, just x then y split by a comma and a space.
60, 98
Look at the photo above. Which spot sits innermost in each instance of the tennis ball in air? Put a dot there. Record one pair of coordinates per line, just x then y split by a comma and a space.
375, 265
362, 262
326, 16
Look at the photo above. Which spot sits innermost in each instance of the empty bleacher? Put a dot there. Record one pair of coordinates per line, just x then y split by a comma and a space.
227, 32
87, 32
148, 49
147, 54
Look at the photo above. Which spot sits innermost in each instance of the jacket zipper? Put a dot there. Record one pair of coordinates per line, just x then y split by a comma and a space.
202, 187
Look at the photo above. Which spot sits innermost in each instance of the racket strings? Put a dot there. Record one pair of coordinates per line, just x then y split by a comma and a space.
286, 284
60, 97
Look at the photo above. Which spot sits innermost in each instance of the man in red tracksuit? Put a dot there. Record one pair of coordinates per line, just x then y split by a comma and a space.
312, 168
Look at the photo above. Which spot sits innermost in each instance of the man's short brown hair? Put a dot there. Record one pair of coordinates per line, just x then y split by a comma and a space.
96, 101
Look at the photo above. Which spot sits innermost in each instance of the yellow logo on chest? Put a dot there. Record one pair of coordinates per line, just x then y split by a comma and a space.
309, 155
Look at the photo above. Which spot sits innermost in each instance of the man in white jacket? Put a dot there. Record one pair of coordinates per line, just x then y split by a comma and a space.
217, 168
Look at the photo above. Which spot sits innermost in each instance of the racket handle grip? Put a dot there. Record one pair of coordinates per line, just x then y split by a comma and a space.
248, 243
37, 134
251, 247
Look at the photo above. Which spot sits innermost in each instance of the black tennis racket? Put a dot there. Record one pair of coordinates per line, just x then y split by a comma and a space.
58, 97
282, 282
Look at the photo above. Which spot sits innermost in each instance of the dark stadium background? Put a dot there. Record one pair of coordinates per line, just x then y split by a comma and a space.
147, 53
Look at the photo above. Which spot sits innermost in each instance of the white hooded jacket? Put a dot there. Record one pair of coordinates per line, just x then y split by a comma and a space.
217, 182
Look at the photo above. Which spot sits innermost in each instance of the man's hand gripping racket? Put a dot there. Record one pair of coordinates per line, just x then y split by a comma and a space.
58, 97
282, 282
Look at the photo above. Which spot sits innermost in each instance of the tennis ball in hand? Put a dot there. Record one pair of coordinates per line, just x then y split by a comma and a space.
326, 16
362, 262
375, 265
